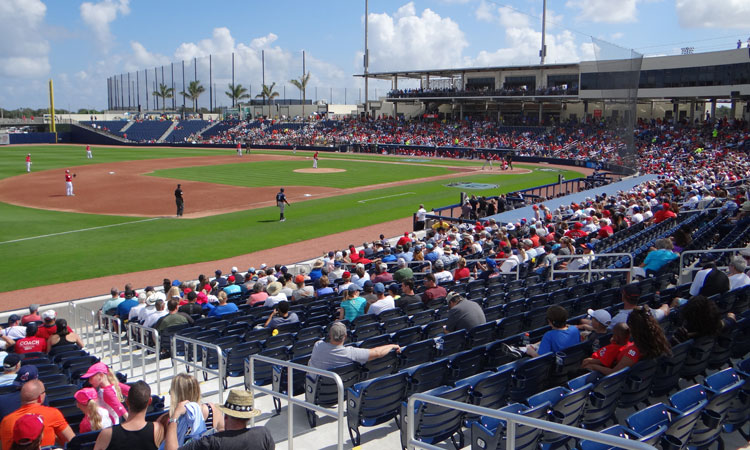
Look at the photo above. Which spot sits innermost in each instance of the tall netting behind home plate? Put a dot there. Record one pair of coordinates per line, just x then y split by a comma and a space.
618, 74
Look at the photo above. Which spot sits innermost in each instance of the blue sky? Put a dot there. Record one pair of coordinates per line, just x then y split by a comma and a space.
80, 44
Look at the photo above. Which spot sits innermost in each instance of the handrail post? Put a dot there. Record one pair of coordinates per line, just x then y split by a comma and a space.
510, 434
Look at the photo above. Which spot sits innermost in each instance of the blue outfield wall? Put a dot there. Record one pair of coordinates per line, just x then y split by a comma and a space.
38, 138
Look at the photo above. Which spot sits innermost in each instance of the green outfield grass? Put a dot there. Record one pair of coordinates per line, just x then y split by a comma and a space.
134, 244
274, 173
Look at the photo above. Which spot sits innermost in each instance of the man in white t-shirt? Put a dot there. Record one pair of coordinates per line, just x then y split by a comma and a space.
160, 311
383, 302
420, 219
737, 276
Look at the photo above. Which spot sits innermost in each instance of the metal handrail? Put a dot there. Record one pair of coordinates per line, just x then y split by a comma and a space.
291, 367
111, 326
85, 324
138, 335
511, 420
589, 270
199, 367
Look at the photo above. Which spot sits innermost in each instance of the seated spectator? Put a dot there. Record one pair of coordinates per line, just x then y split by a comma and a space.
137, 429
352, 305
191, 308
658, 257
595, 326
94, 416
630, 295
136, 310
274, 294
488, 269
700, 317
461, 271
584, 260
382, 302
200, 418
33, 315
281, 316
432, 290
322, 288
174, 317
11, 364
258, 295
231, 288
12, 332
360, 275
110, 391
11, 401
463, 314
560, 337
408, 296
31, 343
159, 311
737, 276
302, 291
331, 355
63, 336
110, 306
123, 309
664, 213
27, 432
647, 341
226, 308
709, 280
609, 355
55, 428
441, 275
48, 327
238, 410
317, 270
403, 271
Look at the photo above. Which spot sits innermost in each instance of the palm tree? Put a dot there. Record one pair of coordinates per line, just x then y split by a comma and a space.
236, 92
267, 93
195, 89
301, 84
164, 92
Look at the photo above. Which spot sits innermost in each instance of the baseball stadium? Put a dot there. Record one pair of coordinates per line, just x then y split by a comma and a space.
518, 256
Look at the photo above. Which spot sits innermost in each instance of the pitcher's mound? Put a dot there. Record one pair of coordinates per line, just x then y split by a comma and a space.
323, 170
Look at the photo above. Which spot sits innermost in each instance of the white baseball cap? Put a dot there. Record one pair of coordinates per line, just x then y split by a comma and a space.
601, 316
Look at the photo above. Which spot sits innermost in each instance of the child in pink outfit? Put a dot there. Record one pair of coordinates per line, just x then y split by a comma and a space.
110, 395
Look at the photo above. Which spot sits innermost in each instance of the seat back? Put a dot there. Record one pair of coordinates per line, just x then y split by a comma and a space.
697, 357
453, 343
236, 357
374, 402
433, 423
382, 366
264, 371
530, 376
667, 377
426, 376
638, 385
323, 391
602, 401
407, 336
491, 433
465, 364
481, 335
489, 389
417, 353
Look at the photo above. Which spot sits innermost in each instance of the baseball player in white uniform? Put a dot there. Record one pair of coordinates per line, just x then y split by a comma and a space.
68, 184
88, 152
28, 162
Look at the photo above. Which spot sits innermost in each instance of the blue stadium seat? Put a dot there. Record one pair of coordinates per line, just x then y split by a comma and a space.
322, 391
382, 366
432, 423
280, 380
602, 401
465, 364
676, 426
666, 379
489, 389
426, 376
373, 402
417, 353
530, 376
489, 433
638, 384
565, 407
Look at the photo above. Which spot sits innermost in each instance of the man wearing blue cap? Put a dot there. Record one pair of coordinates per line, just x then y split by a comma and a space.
382, 303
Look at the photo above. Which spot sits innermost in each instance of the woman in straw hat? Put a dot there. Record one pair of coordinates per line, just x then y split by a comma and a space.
238, 410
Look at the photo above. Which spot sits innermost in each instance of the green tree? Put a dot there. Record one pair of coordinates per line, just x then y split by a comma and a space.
267, 93
164, 93
195, 89
236, 93
301, 84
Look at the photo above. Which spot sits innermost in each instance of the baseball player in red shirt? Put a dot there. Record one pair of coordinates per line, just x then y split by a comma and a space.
88, 152
239, 149
28, 162
315, 160
69, 183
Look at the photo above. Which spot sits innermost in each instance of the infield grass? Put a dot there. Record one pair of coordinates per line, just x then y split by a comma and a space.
141, 245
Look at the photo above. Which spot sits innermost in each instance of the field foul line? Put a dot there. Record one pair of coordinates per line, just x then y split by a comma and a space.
78, 231
387, 196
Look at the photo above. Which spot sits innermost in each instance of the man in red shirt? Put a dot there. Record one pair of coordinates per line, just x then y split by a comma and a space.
664, 213
31, 343
32, 316
315, 160
432, 290
610, 355
28, 162
403, 240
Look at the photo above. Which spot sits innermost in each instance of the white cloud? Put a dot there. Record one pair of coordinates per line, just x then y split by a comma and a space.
23, 53
723, 14
523, 41
143, 59
407, 40
605, 11
98, 17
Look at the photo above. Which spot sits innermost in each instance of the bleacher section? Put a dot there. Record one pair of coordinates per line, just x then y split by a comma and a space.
112, 126
185, 128
147, 131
